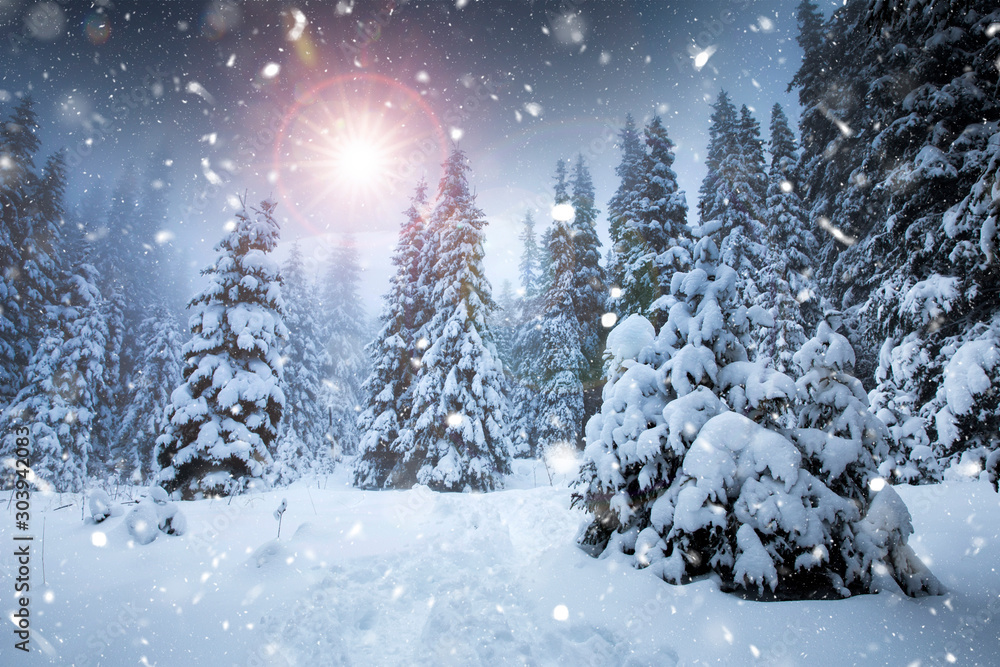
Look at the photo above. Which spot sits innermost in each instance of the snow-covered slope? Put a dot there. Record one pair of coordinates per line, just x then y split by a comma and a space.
422, 578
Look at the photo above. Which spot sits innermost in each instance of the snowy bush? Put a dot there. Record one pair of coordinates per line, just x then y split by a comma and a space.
143, 523
153, 515
702, 462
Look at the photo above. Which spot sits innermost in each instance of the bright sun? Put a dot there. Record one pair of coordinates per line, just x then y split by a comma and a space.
351, 145
359, 162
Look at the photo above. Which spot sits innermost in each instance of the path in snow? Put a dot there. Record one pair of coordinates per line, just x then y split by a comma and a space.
416, 577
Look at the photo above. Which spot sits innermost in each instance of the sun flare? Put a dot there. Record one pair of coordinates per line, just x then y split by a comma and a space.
359, 163
351, 144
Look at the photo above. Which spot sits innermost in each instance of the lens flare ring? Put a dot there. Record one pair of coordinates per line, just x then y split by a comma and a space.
349, 140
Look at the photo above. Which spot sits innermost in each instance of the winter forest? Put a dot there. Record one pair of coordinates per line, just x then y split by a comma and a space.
557, 333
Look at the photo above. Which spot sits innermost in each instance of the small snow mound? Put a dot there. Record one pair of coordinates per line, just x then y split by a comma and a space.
100, 505
266, 553
143, 524
306, 531
170, 519
967, 468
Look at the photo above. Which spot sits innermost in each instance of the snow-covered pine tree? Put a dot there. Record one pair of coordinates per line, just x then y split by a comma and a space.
504, 323
731, 198
846, 447
656, 243
529, 267
223, 418
385, 423
562, 363
304, 438
157, 374
527, 345
61, 398
18, 144
623, 207
787, 281
689, 487
115, 394
41, 249
589, 282
900, 140
14, 346
460, 438
347, 333
118, 255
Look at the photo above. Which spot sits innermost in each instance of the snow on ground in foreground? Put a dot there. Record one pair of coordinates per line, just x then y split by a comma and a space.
421, 578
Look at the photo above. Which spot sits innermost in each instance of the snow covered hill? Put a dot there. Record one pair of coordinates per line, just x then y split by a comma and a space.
421, 578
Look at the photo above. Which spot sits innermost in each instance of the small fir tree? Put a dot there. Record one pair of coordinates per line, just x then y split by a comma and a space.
223, 418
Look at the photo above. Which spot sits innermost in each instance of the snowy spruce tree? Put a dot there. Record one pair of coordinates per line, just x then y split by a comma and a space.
385, 423
31, 260
561, 364
60, 401
223, 418
623, 212
156, 375
460, 434
19, 144
899, 134
788, 279
657, 242
346, 330
731, 197
527, 345
305, 440
589, 280
690, 468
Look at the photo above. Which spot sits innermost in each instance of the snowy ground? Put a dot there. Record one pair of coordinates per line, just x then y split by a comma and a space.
420, 578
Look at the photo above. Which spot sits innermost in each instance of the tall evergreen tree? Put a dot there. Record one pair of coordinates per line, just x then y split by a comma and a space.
656, 243
623, 205
897, 148
459, 408
18, 145
562, 363
347, 329
385, 424
561, 189
590, 289
713, 195
223, 418
61, 399
732, 195
529, 267
788, 288
14, 347
527, 345
305, 439
157, 374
